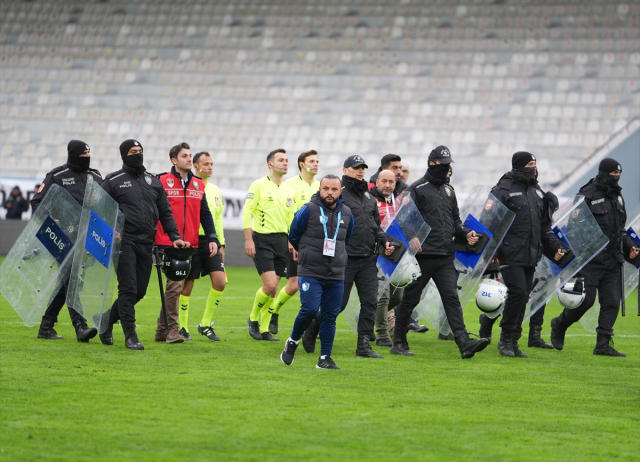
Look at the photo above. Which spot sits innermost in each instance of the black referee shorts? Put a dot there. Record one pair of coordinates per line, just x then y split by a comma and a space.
201, 263
271, 253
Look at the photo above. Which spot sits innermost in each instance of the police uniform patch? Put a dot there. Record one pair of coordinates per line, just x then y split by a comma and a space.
367, 195
148, 180
40, 188
488, 205
89, 177
620, 200
448, 191
539, 193
170, 182
196, 185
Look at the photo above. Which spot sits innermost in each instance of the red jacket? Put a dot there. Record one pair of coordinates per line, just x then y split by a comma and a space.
187, 207
387, 210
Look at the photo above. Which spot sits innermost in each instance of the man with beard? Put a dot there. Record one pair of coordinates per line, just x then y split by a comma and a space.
602, 195
266, 216
143, 201
73, 177
320, 232
437, 203
186, 195
522, 247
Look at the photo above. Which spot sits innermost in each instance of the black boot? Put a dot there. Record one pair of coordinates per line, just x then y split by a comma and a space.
469, 347
604, 347
505, 345
535, 340
557, 333
516, 348
131, 338
46, 329
486, 325
401, 346
110, 318
83, 332
107, 336
310, 336
364, 349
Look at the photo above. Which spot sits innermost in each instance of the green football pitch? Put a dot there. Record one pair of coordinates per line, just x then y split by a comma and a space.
235, 400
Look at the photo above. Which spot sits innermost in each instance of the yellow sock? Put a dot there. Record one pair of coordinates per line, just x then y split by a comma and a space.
283, 297
213, 300
261, 300
184, 312
265, 316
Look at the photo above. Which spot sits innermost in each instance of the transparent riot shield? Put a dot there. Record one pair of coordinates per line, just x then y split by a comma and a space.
631, 274
93, 275
489, 218
408, 230
39, 263
577, 229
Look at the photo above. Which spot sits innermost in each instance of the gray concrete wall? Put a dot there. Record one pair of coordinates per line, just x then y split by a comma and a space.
235, 256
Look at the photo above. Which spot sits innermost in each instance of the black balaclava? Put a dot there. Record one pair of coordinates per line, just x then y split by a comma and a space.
439, 171
74, 149
605, 168
527, 175
133, 162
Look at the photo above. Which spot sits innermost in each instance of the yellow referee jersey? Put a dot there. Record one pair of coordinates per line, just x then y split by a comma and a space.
216, 206
271, 206
303, 190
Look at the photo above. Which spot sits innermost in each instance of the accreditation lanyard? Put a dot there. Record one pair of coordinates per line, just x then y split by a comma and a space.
329, 248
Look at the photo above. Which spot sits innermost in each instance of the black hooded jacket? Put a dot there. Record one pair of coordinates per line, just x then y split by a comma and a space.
143, 202
608, 208
69, 177
530, 233
437, 203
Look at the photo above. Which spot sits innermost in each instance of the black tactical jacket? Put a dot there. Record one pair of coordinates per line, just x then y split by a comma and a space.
73, 179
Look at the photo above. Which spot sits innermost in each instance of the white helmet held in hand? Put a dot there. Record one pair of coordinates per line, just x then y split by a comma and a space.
572, 294
407, 272
491, 295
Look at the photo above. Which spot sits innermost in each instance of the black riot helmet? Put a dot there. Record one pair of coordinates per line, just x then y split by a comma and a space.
176, 264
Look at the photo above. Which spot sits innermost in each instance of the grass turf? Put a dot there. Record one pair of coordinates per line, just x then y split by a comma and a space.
235, 400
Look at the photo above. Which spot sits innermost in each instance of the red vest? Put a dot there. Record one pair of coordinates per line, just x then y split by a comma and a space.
185, 205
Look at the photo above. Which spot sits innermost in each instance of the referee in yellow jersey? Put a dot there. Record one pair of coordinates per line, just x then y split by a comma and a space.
305, 185
266, 216
202, 264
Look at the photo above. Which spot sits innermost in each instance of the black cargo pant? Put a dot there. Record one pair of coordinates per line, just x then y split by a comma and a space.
134, 271
519, 282
607, 283
364, 273
54, 308
444, 274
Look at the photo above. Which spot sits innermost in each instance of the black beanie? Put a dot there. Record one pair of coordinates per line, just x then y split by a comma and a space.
126, 145
521, 158
609, 165
75, 148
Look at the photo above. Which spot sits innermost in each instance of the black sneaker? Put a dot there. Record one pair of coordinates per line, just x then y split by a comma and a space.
289, 352
326, 363
415, 327
254, 329
209, 333
185, 335
268, 337
557, 334
400, 349
384, 342
273, 324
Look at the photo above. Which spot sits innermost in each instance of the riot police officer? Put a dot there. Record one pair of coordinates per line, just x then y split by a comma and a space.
602, 273
71, 176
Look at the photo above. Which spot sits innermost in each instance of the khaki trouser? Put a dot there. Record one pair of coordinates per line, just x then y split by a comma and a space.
389, 300
171, 300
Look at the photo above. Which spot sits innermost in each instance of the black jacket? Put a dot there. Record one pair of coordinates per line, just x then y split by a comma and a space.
307, 236
400, 185
436, 201
366, 217
608, 208
530, 233
143, 201
16, 205
73, 179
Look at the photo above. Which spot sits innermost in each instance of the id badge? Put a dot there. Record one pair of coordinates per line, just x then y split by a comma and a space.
329, 248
